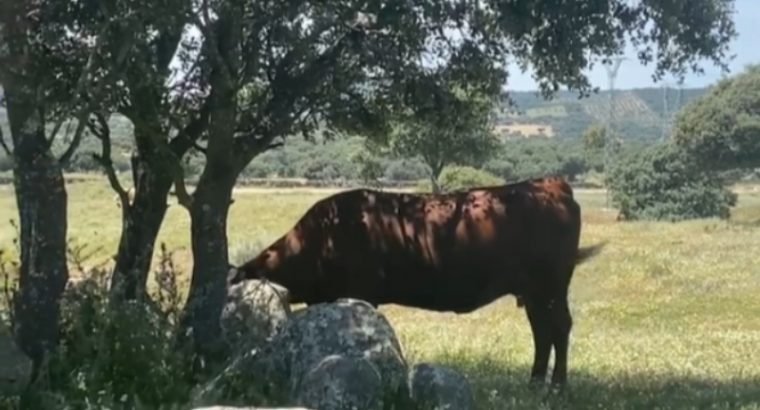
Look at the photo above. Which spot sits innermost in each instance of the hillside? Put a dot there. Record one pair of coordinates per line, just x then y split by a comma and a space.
638, 112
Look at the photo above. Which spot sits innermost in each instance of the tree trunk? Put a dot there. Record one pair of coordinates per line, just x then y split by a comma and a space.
42, 200
434, 186
211, 203
141, 223
436, 167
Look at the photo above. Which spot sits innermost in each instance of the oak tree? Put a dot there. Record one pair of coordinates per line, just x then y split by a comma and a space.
722, 128
269, 69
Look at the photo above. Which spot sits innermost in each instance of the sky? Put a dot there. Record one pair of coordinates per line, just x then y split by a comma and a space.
633, 74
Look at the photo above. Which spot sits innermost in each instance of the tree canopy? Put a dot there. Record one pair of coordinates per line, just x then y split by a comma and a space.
457, 133
723, 127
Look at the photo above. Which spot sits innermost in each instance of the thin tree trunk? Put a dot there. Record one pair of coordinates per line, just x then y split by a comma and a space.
435, 187
209, 210
435, 173
141, 223
42, 201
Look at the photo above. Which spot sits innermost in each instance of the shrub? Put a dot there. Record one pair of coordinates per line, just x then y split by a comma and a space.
664, 183
501, 168
116, 356
405, 170
455, 178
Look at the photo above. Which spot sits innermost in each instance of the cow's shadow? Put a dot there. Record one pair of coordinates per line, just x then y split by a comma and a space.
498, 386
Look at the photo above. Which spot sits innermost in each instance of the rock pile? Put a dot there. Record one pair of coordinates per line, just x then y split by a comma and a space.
332, 356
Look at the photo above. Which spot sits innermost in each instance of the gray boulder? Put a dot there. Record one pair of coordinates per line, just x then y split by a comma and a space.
15, 367
254, 312
434, 387
341, 383
290, 364
350, 328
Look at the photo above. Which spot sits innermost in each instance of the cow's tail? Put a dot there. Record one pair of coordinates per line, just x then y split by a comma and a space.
584, 254
588, 252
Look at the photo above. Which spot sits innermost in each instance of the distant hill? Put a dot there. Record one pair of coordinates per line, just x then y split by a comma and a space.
638, 112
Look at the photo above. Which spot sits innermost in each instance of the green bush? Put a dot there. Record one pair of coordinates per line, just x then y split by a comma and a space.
455, 178
664, 183
116, 356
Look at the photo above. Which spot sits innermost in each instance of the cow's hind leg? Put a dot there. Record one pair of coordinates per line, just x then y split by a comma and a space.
561, 323
540, 324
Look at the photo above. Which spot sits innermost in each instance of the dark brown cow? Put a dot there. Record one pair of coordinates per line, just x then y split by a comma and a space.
453, 252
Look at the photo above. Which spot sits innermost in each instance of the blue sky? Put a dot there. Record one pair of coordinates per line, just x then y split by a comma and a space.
632, 74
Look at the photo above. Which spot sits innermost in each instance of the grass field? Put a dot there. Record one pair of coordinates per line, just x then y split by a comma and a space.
668, 316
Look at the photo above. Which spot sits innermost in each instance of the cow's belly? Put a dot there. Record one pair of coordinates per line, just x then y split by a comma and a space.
455, 293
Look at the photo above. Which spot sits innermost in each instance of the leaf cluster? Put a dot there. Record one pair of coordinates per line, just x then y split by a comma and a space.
663, 182
723, 127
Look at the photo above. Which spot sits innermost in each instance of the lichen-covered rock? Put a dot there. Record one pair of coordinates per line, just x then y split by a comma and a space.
254, 312
347, 327
15, 367
434, 387
341, 383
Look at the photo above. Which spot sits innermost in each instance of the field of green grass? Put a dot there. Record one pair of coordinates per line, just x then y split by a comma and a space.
666, 317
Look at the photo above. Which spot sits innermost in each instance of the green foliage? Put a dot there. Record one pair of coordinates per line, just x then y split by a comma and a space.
664, 183
595, 138
370, 167
723, 127
531, 158
456, 178
116, 356
455, 133
595, 141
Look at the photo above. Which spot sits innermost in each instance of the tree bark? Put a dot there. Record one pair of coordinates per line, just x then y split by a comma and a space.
434, 186
42, 205
209, 210
435, 174
141, 223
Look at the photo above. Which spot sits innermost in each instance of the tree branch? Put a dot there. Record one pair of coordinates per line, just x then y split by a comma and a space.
180, 189
199, 148
213, 43
3, 144
102, 131
69, 153
187, 136
287, 89
85, 111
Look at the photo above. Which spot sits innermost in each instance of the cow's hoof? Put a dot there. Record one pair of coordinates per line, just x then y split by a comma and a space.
536, 382
557, 389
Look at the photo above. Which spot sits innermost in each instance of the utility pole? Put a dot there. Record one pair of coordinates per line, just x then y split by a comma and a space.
612, 70
664, 125
668, 115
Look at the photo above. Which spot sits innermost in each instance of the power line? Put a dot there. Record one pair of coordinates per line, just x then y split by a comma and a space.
665, 122
612, 70
668, 114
